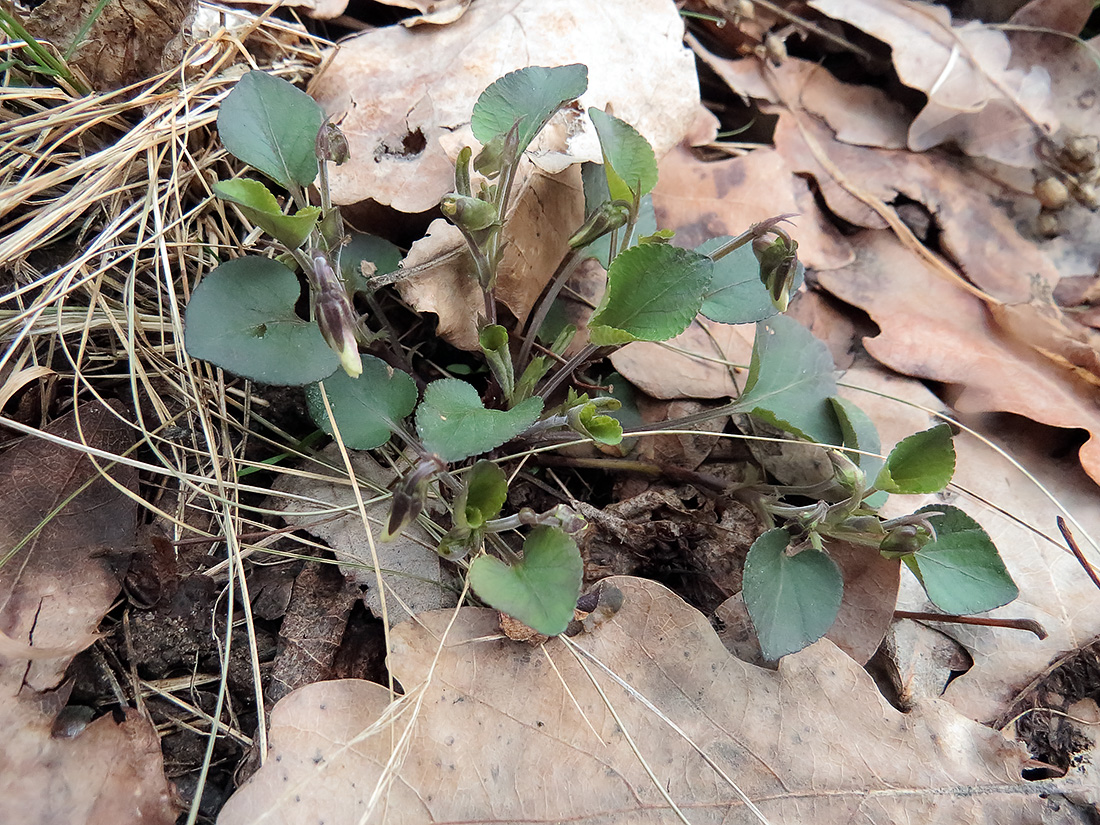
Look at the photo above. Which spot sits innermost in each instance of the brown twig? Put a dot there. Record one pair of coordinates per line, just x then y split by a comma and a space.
1068, 536
1029, 625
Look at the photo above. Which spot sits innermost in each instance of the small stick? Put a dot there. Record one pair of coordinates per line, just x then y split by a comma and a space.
1029, 625
1068, 536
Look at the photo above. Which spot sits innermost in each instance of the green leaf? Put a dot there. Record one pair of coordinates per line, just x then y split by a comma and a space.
595, 194
260, 207
961, 570
590, 422
271, 125
922, 463
454, 424
653, 293
385, 256
791, 380
736, 294
859, 433
493, 340
542, 589
368, 408
529, 96
792, 600
241, 318
628, 159
485, 492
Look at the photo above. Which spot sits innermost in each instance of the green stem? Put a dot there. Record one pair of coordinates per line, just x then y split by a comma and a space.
565, 270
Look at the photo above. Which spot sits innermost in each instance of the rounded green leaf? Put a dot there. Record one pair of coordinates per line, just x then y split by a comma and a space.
454, 424
792, 600
961, 570
542, 589
653, 293
485, 492
385, 256
528, 96
922, 463
241, 318
367, 408
272, 125
260, 207
791, 380
736, 294
629, 162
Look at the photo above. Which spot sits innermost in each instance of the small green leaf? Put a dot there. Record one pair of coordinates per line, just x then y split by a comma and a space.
260, 207
454, 424
653, 293
542, 589
791, 380
859, 433
588, 421
362, 247
367, 408
961, 570
736, 294
628, 159
529, 96
922, 463
792, 600
271, 125
485, 492
493, 340
241, 318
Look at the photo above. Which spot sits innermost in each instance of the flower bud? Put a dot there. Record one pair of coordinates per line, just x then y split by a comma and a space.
904, 541
606, 218
778, 267
332, 144
471, 214
336, 317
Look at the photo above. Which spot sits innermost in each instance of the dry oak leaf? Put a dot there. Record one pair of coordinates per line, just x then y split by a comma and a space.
974, 99
399, 91
494, 735
53, 592
546, 210
1054, 590
861, 115
409, 563
931, 329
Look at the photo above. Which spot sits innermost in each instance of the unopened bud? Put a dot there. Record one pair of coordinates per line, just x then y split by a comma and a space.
606, 218
778, 267
847, 473
336, 317
471, 214
1051, 193
904, 541
332, 144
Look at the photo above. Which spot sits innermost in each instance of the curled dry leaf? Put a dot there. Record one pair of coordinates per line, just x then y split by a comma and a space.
410, 565
496, 736
399, 91
974, 99
546, 211
1054, 590
53, 593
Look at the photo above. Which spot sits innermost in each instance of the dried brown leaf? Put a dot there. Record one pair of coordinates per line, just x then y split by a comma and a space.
498, 738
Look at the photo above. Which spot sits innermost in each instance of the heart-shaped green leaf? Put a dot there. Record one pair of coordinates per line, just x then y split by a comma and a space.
791, 380
483, 495
454, 424
260, 207
590, 422
241, 317
528, 96
542, 589
629, 163
272, 125
367, 408
653, 292
922, 463
792, 600
735, 294
961, 570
